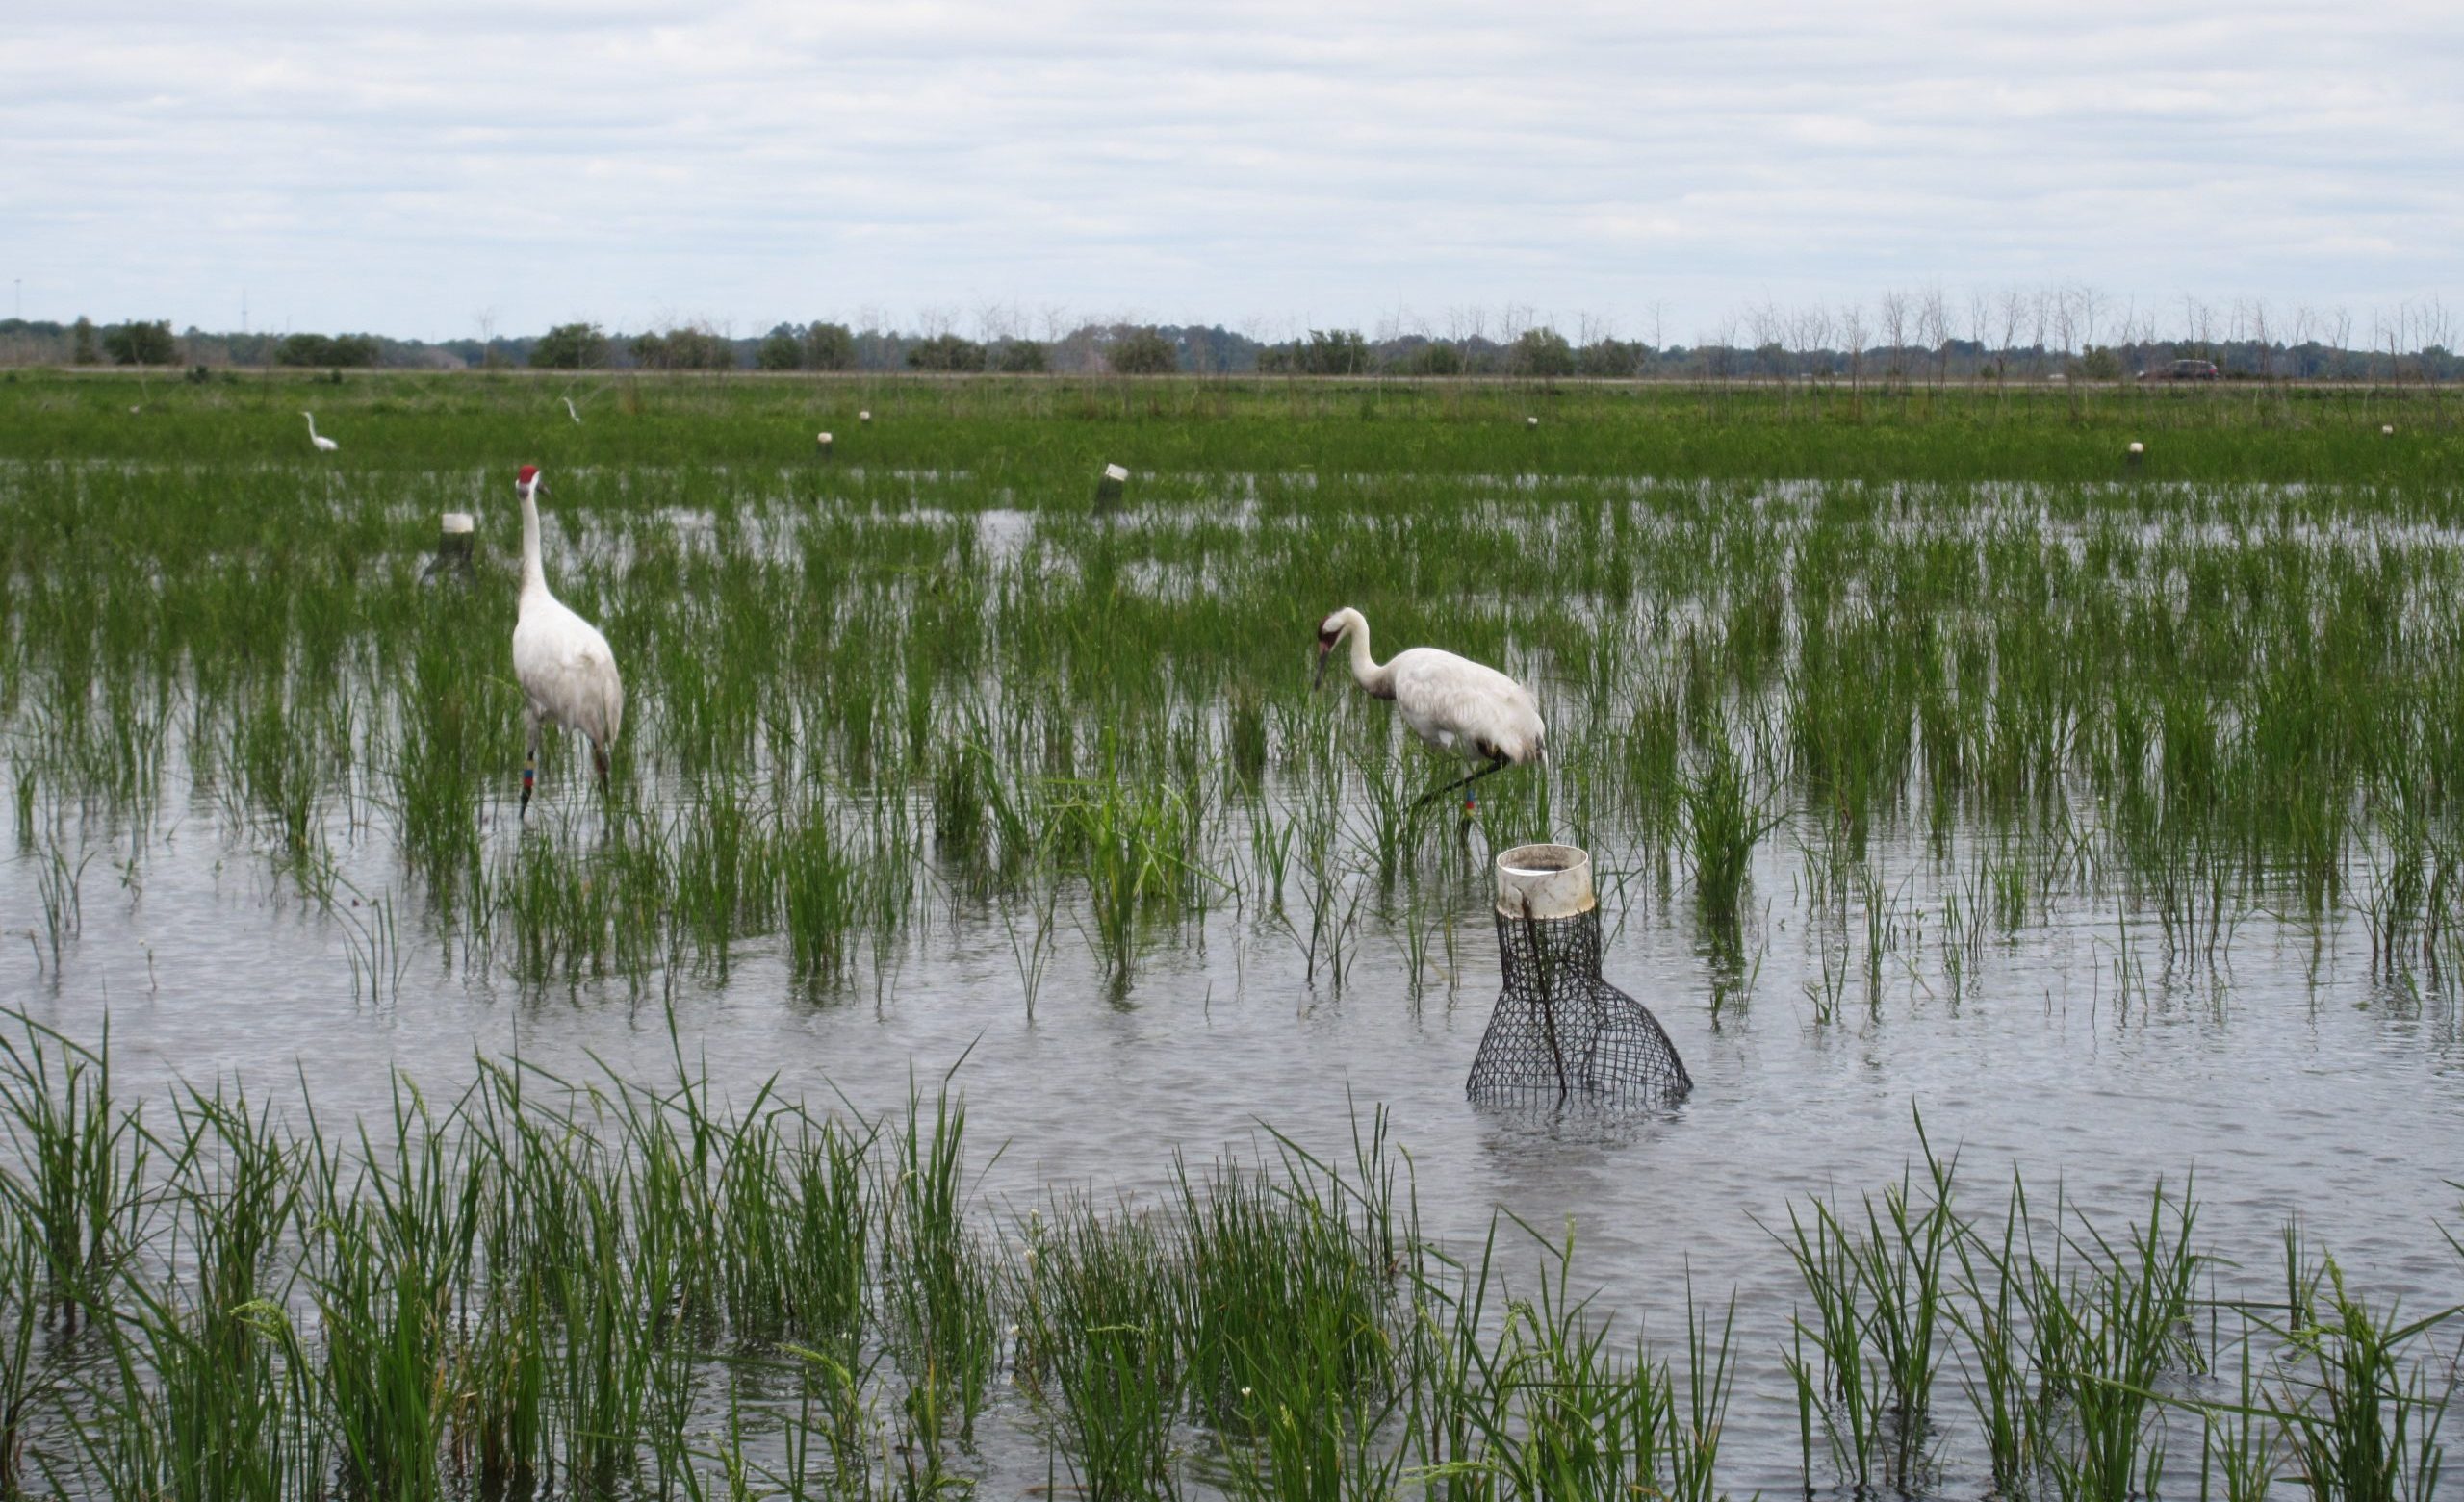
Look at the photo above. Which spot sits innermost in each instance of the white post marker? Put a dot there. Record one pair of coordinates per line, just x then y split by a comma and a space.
1108, 488
1545, 881
456, 541
822, 442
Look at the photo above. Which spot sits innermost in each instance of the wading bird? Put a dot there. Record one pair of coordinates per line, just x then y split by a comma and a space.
566, 673
325, 444
1455, 704
569, 409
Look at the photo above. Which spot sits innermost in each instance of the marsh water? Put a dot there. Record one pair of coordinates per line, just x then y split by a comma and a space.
2281, 1067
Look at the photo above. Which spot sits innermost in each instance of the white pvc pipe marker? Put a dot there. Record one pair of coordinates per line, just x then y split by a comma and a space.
1553, 879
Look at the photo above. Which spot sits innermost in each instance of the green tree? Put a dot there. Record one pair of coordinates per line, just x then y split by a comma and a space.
1143, 351
1339, 351
142, 343
782, 350
828, 346
1542, 352
2101, 364
569, 346
84, 350
1021, 357
945, 352
1434, 359
1610, 359
304, 349
684, 349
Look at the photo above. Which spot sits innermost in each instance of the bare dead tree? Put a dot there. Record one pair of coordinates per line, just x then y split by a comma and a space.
1934, 328
2092, 311
1894, 316
1853, 335
1767, 325
1810, 335
2014, 311
2437, 332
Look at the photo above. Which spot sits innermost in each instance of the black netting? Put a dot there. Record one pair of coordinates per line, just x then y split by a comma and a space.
1561, 1034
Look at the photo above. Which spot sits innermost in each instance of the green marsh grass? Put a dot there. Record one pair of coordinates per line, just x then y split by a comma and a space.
1923, 640
2215, 693
549, 1287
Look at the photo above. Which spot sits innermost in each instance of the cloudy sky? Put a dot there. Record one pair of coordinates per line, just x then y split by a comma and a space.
428, 169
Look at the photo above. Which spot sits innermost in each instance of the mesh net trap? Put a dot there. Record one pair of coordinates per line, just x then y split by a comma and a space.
1561, 1034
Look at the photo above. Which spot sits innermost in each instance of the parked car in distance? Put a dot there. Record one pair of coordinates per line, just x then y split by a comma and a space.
2184, 370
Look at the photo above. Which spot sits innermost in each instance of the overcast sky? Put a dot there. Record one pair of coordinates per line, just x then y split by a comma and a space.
418, 168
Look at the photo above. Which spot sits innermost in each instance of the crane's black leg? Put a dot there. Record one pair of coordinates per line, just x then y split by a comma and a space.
598, 763
529, 768
1497, 764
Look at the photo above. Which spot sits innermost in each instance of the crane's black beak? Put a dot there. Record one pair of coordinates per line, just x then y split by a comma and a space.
1323, 652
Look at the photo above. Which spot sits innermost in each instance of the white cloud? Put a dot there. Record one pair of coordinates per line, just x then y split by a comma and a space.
401, 166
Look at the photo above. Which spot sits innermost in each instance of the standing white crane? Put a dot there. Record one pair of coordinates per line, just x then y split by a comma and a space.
568, 410
325, 444
566, 673
1458, 706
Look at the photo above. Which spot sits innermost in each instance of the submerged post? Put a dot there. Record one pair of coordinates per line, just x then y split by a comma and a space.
1560, 1033
1109, 486
457, 542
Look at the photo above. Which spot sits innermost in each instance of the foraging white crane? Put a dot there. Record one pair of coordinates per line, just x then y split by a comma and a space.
325, 444
568, 410
1456, 705
566, 673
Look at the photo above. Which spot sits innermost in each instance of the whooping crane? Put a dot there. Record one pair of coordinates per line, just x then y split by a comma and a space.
325, 445
566, 673
1453, 704
569, 409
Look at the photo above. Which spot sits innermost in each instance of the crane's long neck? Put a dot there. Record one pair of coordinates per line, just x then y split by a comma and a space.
535, 573
1367, 671
312, 423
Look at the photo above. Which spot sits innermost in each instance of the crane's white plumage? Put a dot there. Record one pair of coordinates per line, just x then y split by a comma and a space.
570, 410
566, 673
325, 445
1458, 706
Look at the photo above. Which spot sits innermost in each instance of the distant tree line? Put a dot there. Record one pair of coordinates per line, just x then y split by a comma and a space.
1899, 337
